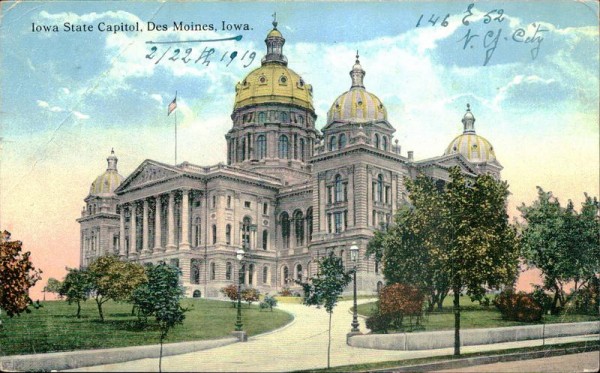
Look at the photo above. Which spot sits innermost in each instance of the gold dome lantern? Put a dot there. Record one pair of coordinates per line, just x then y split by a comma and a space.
273, 81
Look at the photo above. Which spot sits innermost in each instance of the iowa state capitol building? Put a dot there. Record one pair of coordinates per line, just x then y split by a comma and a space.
288, 194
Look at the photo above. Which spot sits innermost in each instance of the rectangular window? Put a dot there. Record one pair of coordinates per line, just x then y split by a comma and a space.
228, 202
214, 202
329, 194
197, 203
345, 219
345, 192
387, 194
329, 223
247, 204
265, 208
338, 222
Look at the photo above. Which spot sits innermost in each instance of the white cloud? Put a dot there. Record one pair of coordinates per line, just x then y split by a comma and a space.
43, 104
156, 97
56, 109
65, 90
79, 115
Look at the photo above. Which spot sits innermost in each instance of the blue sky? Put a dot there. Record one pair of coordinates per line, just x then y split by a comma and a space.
66, 98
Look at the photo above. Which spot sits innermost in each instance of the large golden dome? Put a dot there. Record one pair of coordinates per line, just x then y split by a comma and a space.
357, 104
106, 183
273, 82
472, 146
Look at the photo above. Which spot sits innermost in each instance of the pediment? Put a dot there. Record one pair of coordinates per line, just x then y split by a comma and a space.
449, 161
147, 173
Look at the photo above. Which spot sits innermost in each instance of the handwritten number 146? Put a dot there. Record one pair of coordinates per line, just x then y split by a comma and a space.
434, 20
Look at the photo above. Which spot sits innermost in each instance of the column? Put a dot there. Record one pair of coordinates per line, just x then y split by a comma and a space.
132, 230
122, 240
350, 194
370, 191
157, 225
171, 222
185, 221
323, 201
145, 249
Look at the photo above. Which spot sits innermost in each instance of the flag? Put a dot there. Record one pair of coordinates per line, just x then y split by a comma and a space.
172, 106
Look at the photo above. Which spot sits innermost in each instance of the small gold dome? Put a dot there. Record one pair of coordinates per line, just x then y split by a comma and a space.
105, 184
473, 147
274, 33
357, 105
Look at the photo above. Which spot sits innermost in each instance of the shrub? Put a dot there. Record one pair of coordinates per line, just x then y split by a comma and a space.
231, 292
543, 299
518, 306
250, 295
379, 323
587, 299
397, 301
269, 302
285, 292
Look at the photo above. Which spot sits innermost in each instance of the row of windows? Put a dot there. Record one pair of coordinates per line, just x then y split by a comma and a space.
196, 270
381, 192
337, 222
275, 116
286, 148
299, 225
247, 204
338, 192
197, 234
339, 142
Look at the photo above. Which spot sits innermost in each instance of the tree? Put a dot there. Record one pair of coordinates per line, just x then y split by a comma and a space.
453, 237
563, 244
160, 297
231, 292
53, 286
325, 288
250, 295
76, 287
17, 276
115, 280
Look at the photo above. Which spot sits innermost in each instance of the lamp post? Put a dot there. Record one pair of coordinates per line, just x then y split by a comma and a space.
354, 258
238, 323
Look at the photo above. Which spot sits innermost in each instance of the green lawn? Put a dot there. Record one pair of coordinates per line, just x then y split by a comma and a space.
55, 328
473, 316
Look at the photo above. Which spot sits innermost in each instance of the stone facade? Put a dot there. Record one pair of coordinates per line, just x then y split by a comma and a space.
288, 195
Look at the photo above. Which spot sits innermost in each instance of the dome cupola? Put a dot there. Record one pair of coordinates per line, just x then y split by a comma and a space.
473, 147
357, 105
106, 183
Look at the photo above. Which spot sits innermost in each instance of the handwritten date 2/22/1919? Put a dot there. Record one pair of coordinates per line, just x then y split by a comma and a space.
530, 35
204, 57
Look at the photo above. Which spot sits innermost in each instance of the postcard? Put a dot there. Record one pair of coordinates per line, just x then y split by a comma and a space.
243, 142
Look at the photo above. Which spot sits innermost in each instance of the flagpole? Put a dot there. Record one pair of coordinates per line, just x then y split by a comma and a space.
175, 138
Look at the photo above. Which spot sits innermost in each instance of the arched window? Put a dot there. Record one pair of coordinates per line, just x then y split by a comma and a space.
228, 234
265, 275
284, 145
299, 227
300, 119
299, 272
332, 143
251, 274
380, 187
302, 155
339, 189
213, 270
246, 232
265, 239
342, 141
286, 275
261, 146
262, 117
284, 117
214, 234
195, 271
243, 150
377, 141
385, 143
309, 223
197, 232
285, 229
228, 270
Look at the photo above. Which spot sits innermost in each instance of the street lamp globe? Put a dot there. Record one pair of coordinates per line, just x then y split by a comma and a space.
239, 254
354, 252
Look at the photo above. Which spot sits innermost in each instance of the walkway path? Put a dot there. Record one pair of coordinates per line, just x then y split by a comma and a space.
301, 345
